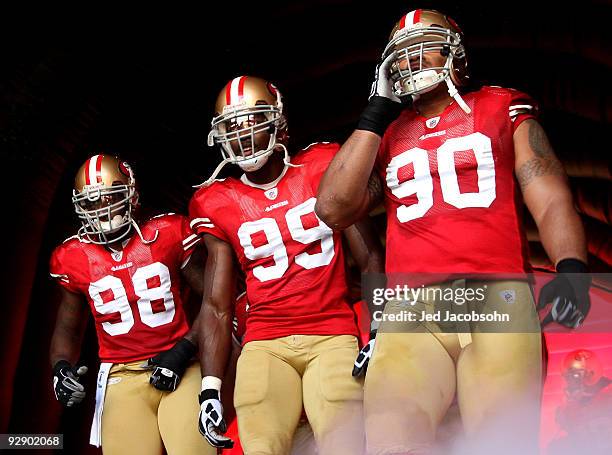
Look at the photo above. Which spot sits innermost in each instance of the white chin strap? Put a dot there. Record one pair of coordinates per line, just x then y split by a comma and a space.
454, 93
146, 242
427, 80
260, 159
452, 90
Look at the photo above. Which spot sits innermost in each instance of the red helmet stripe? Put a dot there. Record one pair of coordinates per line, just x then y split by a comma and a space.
99, 168
228, 93
93, 167
235, 90
410, 19
241, 87
87, 163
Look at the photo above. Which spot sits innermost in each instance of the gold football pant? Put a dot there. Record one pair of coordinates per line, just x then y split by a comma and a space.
275, 378
139, 419
418, 367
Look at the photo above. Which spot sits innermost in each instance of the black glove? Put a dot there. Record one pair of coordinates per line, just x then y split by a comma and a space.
569, 294
364, 356
171, 364
66, 386
210, 422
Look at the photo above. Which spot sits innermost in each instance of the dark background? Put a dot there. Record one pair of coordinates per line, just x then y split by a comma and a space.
142, 84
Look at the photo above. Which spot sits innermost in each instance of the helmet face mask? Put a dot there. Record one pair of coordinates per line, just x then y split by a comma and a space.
248, 122
429, 50
105, 206
247, 135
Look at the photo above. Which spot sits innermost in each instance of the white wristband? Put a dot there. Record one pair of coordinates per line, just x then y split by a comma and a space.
211, 382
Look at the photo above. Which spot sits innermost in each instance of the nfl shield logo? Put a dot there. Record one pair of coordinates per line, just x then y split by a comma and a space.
272, 194
117, 255
432, 122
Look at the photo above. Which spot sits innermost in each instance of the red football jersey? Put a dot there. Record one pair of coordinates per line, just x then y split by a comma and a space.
293, 262
453, 203
134, 295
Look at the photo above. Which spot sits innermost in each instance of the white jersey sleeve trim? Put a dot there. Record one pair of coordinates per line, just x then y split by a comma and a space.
162, 214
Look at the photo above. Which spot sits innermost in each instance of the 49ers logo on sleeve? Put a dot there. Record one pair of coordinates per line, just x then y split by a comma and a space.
421, 184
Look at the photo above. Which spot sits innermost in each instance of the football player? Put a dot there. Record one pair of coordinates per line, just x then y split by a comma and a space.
130, 276
450, 166
586, 413
300, 340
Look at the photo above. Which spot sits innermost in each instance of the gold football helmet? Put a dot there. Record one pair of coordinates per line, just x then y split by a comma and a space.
104, 198
582, 366
248, 122
419, 32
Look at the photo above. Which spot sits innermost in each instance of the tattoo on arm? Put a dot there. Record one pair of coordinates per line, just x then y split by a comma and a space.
537, 167
544, 163
538, 141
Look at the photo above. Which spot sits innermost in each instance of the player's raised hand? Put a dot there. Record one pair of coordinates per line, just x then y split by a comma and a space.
382, 85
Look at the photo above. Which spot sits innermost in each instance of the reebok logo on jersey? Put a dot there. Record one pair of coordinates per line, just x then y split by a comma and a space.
275, 206
271, 194
114, 268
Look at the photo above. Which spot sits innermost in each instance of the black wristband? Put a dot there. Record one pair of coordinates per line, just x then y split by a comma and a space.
185, 348
208, 394
60, 365
571, 265
378, 115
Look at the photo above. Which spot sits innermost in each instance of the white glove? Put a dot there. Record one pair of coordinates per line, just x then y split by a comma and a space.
210, 422
364, 356
382, 85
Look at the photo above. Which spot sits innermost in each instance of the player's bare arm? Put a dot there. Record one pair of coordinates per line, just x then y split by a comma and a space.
549, 199
215, 339
547, 195
368, 252
193, 273
65, 348
349, 188
369, 255
217, 307
69, 328
365, 246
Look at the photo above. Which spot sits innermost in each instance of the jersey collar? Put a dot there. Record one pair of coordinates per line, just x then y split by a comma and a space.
266, 186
